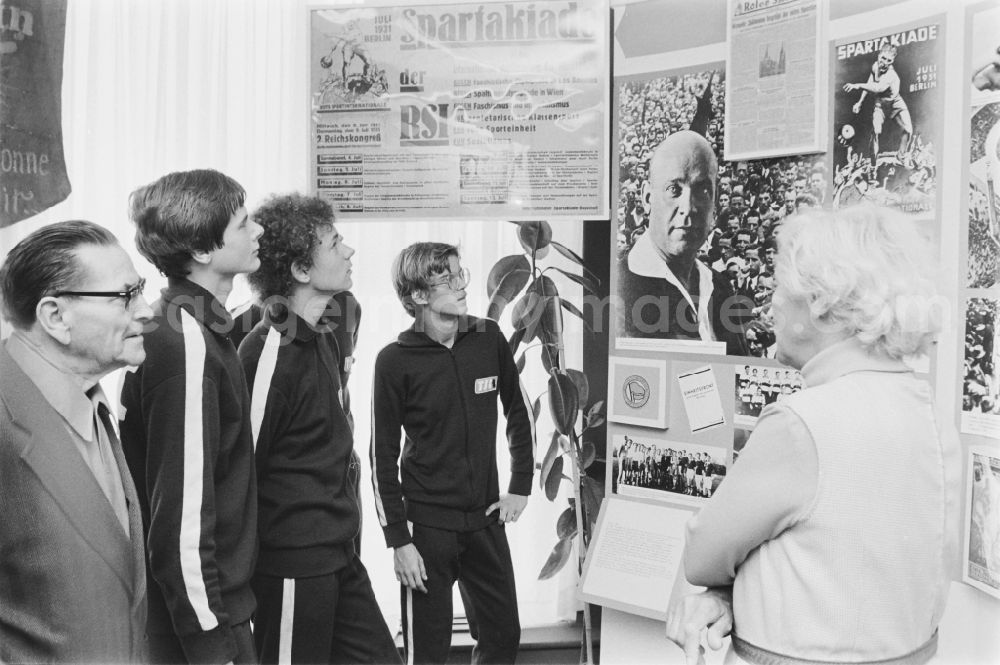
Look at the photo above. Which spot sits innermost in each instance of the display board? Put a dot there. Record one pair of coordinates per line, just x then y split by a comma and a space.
495, 110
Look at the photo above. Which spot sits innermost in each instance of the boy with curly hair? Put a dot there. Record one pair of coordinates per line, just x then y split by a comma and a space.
315, 599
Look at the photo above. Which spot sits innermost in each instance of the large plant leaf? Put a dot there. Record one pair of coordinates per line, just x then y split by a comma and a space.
588, 453
505, 281
536, 408
519, 363
564, 401
550, 357
504, 267
566, 524
552, 322
568, 253
515, 339
594, 416
553, 479
575, 258
574, 310
527, 315
534, 235
587, 284
554, 452
582, 384
592, 493
557, 559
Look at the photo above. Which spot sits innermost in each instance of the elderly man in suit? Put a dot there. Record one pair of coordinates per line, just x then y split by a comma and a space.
72, 573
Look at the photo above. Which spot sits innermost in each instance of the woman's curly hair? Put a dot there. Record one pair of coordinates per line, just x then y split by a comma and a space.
867, 271
292, 223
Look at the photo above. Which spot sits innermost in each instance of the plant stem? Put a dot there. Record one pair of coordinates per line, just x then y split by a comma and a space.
581, 544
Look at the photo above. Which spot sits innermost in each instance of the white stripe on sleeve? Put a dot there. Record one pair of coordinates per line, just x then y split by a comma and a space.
262, 381
194, 459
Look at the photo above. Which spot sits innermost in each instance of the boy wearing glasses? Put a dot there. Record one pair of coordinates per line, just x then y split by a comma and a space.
186, 422
439, 382
315, 602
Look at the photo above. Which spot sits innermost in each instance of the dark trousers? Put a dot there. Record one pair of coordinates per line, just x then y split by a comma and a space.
167, 650
325, 619
480, 562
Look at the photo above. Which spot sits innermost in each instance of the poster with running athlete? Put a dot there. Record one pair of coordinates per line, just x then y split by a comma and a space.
887, 118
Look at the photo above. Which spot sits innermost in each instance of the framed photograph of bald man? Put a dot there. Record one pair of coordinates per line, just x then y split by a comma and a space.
693, 258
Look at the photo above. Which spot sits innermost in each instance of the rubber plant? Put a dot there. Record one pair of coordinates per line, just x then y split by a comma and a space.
537, 316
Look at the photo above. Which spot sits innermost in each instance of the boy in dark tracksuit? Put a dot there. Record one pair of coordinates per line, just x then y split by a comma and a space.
315, 602
439, 382
186, 422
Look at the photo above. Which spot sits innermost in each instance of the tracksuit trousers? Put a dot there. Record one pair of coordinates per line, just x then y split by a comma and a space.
324, 619
480, 562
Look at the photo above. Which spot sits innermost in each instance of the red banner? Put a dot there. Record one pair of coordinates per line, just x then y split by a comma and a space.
32, 166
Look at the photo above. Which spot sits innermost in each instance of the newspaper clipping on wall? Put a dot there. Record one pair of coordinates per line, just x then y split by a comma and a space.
887, 119
775, 104
493, 109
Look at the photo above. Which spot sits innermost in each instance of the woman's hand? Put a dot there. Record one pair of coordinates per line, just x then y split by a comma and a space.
710, 611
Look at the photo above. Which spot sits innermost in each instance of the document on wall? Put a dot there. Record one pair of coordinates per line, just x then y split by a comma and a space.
497, 110
774, 102
634, 557
702, 402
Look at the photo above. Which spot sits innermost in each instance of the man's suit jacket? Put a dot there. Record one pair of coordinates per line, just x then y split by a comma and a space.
72, 586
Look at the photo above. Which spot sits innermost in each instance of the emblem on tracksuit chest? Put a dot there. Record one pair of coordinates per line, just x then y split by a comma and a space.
486, 384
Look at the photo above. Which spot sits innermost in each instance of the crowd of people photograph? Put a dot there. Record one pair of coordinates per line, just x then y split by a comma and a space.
750, 198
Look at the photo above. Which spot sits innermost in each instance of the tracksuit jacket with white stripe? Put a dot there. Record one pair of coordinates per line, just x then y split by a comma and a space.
187, 439
445, 400
307, 500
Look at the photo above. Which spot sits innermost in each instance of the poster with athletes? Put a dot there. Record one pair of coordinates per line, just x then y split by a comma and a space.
984, 198
651, 467
981, 370
887, 118
491, 110
983, 30
981, 560
757, 386
750, 199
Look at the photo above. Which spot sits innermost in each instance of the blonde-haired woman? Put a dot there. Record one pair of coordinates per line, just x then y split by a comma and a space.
832, 538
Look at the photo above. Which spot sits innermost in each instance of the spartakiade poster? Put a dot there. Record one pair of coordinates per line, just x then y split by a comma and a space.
442, 111
887, 118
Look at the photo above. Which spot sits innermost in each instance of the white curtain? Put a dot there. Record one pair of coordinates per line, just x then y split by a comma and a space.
154, 86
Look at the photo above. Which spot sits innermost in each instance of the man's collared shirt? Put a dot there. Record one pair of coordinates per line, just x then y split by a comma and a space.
67, 394
645, 261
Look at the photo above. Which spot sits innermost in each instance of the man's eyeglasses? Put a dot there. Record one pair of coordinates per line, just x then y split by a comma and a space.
128, 295
456, 280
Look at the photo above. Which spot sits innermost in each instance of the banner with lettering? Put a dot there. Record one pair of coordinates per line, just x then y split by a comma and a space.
486, 110
887, 120
32, 167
